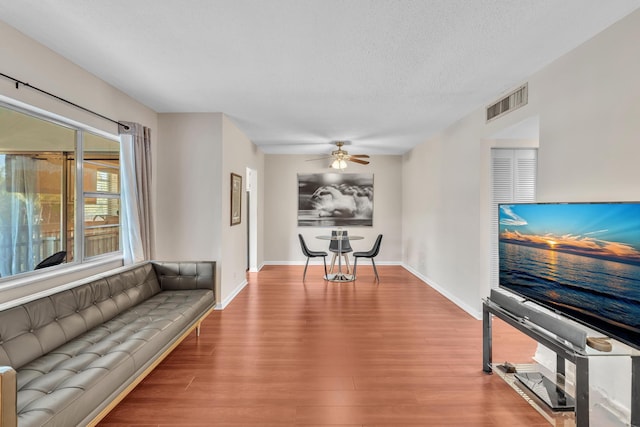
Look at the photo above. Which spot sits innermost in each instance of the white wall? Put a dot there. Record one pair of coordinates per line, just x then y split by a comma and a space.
238, 153
190, 183
589, 151
588, 103
29, 61
281, 208
189, 199
589, 119
196, 154
442, 212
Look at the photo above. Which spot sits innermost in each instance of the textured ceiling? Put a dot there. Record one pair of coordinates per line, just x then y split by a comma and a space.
295, 75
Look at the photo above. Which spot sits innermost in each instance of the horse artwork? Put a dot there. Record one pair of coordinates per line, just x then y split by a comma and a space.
335, 199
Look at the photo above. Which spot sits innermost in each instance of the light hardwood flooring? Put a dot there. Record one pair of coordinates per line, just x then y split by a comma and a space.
363, 354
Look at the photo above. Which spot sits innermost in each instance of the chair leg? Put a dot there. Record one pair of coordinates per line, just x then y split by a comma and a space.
324, 260
375, 269
355, 266
305, 269
346, 262
333, 262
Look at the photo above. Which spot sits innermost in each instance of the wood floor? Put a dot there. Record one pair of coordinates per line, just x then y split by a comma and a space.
284, 353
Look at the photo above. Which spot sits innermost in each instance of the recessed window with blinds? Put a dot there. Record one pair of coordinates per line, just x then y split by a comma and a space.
513, 181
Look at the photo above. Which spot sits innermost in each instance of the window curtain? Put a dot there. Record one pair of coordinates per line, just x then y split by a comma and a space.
20, 237
137, 218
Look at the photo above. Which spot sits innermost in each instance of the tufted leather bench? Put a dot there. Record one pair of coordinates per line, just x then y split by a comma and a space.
72, 356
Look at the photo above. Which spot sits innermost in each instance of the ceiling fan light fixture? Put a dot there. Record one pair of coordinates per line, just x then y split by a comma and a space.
338, 164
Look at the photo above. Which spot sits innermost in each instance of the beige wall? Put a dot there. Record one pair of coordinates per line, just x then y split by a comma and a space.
281, 208
196, 154
28, 61
193, 155
588, 104
189, 199
442, 210
238, 153
589, 119
590, 146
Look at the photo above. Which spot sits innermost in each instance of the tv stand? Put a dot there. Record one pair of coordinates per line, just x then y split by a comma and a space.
564, 351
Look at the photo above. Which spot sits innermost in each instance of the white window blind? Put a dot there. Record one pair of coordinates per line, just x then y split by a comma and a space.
513, 174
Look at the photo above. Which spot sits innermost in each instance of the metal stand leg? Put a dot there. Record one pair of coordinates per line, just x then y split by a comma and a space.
635, 391
486, 341
582, 392
560, 368
340, 254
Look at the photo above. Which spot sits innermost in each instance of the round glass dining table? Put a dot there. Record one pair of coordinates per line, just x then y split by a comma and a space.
340, 276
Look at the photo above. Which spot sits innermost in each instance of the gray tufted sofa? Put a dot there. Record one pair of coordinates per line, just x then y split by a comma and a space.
72, 356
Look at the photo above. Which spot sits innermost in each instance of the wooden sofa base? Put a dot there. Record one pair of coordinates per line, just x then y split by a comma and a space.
8, 393
143, 375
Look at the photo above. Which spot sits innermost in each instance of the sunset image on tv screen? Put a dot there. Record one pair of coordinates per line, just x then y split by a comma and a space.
579, 258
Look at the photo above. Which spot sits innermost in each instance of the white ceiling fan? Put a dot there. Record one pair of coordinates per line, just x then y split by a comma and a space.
340, 157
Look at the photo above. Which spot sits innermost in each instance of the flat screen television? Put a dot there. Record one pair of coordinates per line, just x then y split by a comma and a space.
579, 259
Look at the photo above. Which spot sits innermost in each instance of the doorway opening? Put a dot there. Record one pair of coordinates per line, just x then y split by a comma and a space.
252, 220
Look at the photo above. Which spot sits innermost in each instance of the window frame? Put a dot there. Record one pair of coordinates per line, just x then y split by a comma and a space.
80, 129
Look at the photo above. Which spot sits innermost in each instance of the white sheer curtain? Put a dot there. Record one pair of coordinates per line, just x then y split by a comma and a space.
137, 219
20, 238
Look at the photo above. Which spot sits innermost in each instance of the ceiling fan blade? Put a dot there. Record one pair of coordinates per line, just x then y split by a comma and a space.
362, 162
360, 155
319, 158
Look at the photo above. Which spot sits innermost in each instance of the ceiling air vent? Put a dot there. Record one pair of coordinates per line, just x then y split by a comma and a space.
512, 101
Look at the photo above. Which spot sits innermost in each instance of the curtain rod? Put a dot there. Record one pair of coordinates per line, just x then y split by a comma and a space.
18, 83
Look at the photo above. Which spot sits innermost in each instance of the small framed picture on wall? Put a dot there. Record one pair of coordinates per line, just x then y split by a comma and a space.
236, 199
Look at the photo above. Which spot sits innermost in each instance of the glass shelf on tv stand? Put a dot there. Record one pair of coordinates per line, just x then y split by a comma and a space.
564, 351
555, 418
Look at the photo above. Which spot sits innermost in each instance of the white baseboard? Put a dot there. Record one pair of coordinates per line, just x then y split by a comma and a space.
257, 270
319, 262
312, 262
231, 296
473, 312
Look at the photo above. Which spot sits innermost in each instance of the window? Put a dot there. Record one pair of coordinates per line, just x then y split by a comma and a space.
42, 209
101, 183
